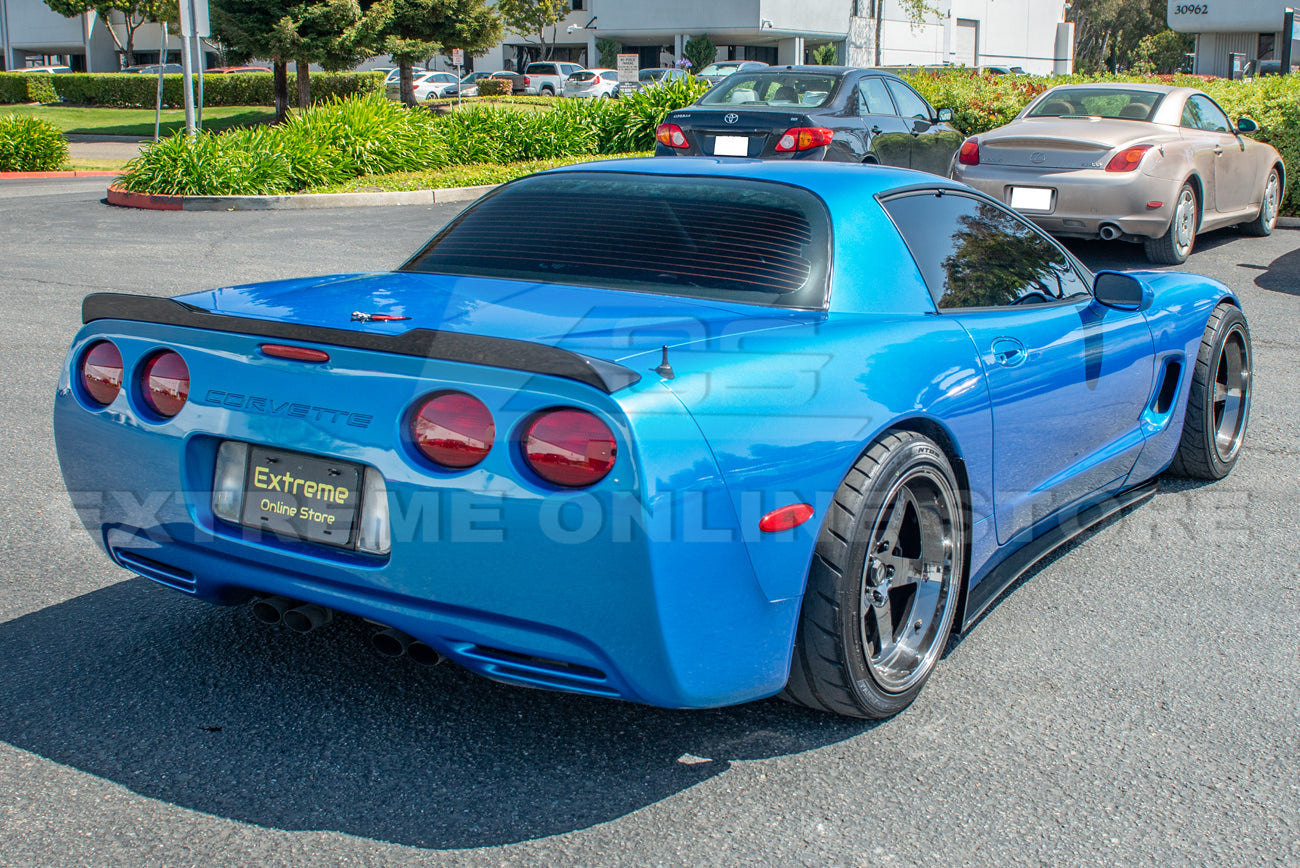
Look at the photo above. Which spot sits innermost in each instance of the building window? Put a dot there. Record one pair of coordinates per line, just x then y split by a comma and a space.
577, 5
1267, 45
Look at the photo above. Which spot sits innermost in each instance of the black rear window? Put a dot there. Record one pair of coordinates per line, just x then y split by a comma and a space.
724, 238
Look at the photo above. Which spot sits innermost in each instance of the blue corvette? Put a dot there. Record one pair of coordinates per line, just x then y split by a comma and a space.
776, 428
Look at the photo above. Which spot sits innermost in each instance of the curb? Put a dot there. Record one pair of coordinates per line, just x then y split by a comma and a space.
28, 176
298, 202
1288, 223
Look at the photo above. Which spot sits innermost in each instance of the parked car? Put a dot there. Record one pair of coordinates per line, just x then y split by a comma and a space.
770, 428
426, 84
651, 77
716, 72
229, 70
547, 78
155, 68
816, 113
1138, 162
1003, 70
592, 83
52, 70
467, 86
519, 83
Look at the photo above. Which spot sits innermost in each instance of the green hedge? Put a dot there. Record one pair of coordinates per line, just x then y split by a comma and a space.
124, 90
30, 145
17, 88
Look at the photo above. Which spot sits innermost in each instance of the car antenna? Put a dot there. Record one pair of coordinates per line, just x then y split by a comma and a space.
665, 370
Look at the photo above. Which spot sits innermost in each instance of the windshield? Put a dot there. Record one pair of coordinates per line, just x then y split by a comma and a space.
1096, 102
731, 239
720, 69
760, 89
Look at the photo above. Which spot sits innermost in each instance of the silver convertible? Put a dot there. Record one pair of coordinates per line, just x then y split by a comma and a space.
1129, 161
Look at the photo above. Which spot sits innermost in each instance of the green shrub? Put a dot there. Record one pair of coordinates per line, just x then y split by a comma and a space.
30, 145
632, 126
494, 86
25, 87
370, 135
241, 163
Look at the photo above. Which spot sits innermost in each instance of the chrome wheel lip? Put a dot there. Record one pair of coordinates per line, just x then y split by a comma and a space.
1184, 226
1230, 399
1270, 204
921, 647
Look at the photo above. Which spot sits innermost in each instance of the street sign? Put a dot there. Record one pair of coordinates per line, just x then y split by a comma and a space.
194, 18
458, 57
628, 67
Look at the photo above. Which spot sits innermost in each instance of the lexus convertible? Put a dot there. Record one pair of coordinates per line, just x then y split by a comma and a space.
776, 429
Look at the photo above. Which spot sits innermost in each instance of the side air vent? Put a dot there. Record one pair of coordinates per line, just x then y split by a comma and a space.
160, 573
1168, 388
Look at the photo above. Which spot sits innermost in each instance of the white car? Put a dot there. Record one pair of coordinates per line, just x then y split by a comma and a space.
427, 85
592, 83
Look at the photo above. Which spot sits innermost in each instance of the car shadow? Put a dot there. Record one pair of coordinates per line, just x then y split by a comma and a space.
1127, 256
203, 707
1281, 275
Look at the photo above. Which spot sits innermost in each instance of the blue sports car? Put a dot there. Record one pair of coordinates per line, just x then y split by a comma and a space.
775, 429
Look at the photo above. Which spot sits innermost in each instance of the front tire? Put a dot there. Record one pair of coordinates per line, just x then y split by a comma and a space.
1176, 244
1218, 403
884, 583
1269, 203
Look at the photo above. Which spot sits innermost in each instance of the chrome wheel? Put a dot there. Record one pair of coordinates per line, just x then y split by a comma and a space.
1231, 401
907, 593
1269, 206
1184, 225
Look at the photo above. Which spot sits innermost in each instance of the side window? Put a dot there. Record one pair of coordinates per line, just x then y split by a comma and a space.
910, 104
875, 96
974, 253
1201, 113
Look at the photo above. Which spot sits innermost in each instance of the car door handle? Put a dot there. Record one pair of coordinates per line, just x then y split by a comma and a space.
875, 131
1009, 352
1218, 151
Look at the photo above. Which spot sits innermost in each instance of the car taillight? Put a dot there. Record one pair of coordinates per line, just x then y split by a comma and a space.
101, 372
969, 155
671, 135
528, 82
165, 383
804, 138
454, 430
569, 447
1127, 160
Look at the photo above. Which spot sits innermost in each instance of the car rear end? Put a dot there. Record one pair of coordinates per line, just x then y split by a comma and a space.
585, 83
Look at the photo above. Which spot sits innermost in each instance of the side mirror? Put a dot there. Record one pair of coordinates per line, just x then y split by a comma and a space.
1246, 125
945, 115
1121, 291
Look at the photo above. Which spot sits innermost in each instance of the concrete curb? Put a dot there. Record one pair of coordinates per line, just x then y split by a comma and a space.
27, 176
92, 138
298, 202
1288, 223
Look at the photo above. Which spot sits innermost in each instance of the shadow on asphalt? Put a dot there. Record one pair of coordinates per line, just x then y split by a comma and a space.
1282, 274
203, 707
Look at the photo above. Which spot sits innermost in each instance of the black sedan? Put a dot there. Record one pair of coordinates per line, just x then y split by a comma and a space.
814, 112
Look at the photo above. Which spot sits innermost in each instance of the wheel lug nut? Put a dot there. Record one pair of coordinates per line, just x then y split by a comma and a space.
917, 625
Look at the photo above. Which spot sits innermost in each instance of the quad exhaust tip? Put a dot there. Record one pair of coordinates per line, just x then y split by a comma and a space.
305, 617
394, 644
270, 610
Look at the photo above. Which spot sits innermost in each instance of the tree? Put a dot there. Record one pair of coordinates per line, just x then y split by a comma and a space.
1162, 52
530, 18
415, 30
134, 14
1107, 32
700, 51
608, 50
248, 29
334, 33
825, 55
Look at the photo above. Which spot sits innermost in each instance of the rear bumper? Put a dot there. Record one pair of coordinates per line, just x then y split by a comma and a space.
1083, 200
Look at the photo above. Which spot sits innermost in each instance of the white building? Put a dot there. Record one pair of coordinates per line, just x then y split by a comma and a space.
32, 34
1243, 30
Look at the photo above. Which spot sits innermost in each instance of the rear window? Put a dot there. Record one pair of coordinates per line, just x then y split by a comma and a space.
582, 76
1136, 105
778, 89
540, 69
756, 242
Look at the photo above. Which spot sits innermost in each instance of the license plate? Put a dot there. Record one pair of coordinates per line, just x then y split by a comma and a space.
1031, 198
301, 496
731, 146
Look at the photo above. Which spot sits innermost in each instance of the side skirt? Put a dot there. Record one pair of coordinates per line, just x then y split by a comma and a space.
1018, 562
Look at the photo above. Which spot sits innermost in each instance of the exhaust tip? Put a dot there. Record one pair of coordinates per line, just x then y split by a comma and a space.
270, 610
307, 617
1110, 232
425, 655
391, 643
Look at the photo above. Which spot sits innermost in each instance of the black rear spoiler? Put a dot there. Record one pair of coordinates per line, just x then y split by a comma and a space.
506, 353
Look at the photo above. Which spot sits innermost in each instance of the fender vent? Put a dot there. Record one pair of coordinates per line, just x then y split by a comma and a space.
1168, 390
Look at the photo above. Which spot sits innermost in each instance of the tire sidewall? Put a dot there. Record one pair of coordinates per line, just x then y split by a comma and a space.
1233, 321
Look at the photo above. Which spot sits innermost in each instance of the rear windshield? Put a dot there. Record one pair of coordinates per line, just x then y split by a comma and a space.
582, 76
1135, 105
759, 89
756, 242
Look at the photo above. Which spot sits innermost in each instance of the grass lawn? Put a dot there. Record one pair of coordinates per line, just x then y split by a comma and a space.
137, 122
454, 176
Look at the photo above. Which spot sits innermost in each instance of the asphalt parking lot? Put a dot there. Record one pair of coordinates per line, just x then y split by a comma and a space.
1134, 701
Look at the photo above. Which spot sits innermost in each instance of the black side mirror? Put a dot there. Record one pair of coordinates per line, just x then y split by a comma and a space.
1121, 291
1246, 125
945, 115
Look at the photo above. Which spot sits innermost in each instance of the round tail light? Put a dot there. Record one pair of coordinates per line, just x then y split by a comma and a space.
453, 429
165, 383
101, 372
569, 447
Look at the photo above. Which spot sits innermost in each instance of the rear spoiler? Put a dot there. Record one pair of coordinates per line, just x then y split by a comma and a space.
505, 353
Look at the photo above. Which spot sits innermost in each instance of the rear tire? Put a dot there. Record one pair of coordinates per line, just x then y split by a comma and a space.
547, 91
1176, 244
1269, 203
884, 583
1218, 403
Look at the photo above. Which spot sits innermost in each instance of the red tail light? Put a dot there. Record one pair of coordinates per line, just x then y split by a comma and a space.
804, 138
569, 447
969, 155
671, 135
165, 383
528, 81
453, 429
101, 372
295, 354
1127, 160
